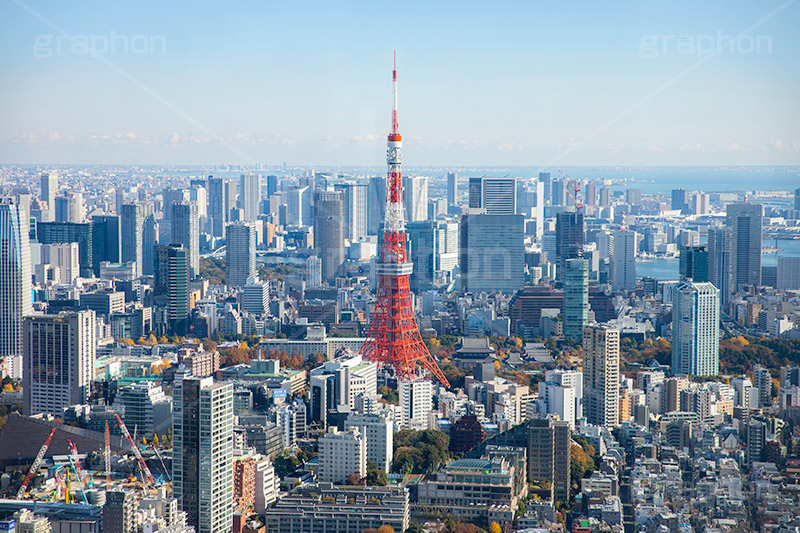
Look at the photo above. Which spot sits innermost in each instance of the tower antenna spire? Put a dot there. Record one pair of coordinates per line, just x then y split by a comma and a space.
395, 125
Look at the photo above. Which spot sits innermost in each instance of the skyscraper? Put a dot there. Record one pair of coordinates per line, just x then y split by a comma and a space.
355, 209
475, 193
329, 234
544, 178
694, 263
576, 298
49, 188
106, 243
745, 222
624, 261
492, 253
202, 448
69, 207
313, 272
601, 375
250, 195
719, 262
59, 361
221, 199
298, 206
679, 202
240, 253
569, 239
186, 231
376, 204
415, 193
133, 215
62, 232
172, 273
633, 196
15, 284
498, 196
452, 188
695, 329
548, 454
797, 198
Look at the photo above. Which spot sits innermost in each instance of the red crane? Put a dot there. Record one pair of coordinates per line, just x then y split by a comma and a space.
107, 454
576, 187
35, 465
136, 452
73, 451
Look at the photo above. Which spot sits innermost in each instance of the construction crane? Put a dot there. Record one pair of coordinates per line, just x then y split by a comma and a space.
169, 477
576, 188
136, 452
76, 466
107, 455
35, 465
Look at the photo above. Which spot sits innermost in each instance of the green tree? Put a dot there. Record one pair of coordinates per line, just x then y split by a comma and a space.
375, 476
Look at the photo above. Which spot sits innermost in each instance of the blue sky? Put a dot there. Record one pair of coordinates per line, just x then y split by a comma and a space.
481, 83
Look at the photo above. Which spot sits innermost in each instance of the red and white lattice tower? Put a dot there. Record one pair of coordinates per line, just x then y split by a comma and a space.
394, 337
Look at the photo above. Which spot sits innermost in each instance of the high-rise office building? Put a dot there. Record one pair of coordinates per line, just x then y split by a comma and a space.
590, 198
202, 452
106, 240
548, 454
172, 276
416, 402
64, 256
298, 206
15, 284
719, 262
355, 209
498, 196
133, 216
250, 195
633, 196
679, 202
474, 194
49, 187
221, 199
186, 231
172, 196
255, 296
63, 232
342, 453
272, 185
569, 239
313, 272
376, 204
59, 355
745, 222
605, 197
69, 207
433, 249
695, 329
601, 375
452, 188
329, 234
415, 195
576, 298
378, 432
240, 253
492, 253
559, 193
547, 190
694, 263
623, 270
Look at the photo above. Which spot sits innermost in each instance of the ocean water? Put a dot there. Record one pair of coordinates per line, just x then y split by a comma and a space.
667, 269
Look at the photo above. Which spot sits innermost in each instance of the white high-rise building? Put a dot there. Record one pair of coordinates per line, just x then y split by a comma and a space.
378, 430
267, 485
298, 207
313, 272
186, 231
147, 408
255, 296
63, 256
69, 208
355, 209
250, 195
342, 454
49, 188
415, 195
202, 450
240, 253
695, 329
624, 261
601, 375
416, 402
15, 284
58, 362
567, 379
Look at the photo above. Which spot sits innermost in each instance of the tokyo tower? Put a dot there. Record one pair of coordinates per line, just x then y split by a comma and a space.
394, 337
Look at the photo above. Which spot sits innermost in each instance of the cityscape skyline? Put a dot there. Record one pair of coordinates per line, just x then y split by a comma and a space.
688, 84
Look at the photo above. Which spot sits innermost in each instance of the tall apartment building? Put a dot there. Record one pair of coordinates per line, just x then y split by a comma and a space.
250, 195
745, 222
137, 234
49, 187
576, 298
623, 272
202, 464
416, 402
313, 272
452, 188
221, 199
695, 329
240, 253
355, 209
719, 261
186, 231
342, 454
15, 284
415, 195
59, 354
601, 375
244, 484
329, 234
379, 434
548, 454
69, 207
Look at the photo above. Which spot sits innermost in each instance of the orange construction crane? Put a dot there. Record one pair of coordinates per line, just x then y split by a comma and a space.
576, 188
35, 465
107, 455
136, 452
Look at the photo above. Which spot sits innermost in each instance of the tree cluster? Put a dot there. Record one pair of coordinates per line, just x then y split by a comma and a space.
417, 452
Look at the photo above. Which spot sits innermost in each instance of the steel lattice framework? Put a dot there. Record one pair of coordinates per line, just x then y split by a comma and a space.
394, 337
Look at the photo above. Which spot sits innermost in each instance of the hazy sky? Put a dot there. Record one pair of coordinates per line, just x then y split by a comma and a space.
481, 83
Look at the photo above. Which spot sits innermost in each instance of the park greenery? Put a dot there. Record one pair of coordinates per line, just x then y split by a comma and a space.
419, 452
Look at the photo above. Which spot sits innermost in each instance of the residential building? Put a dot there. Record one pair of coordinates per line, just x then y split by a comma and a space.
250, 195
15, 284
624, 261
342, 453
576, 298
329, 234
240, 253
695, 329
186, 231
119, 511
415, 196
548, 454
379, 434
416, 402
601, 375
